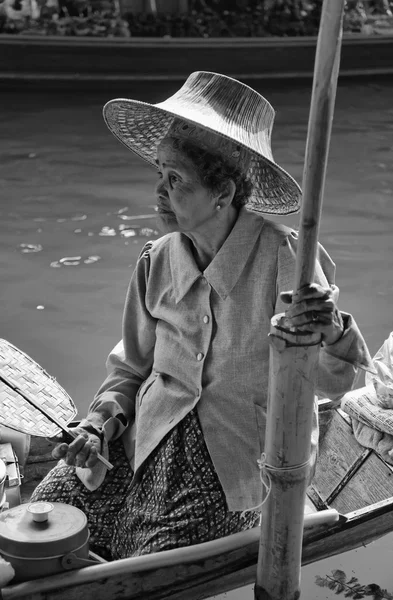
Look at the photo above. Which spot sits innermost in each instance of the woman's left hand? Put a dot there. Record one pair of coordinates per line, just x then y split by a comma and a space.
313, 308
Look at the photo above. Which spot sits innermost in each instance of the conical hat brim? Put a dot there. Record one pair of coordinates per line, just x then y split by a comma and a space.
141, 126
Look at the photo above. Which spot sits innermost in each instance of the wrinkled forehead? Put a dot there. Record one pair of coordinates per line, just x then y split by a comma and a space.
211, 142
172, 156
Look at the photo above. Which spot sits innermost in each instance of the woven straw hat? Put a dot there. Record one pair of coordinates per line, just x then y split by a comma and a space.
225, 107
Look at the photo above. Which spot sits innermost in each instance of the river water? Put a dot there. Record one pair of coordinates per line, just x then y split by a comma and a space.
76, 209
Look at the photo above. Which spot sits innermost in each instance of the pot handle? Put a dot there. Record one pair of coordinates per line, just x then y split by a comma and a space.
72, 561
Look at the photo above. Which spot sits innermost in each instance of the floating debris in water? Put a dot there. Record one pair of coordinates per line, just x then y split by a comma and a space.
118, 212
26, 248
147, 232
61, 219
126, 231
136, 217
32, 155
40, 307
67, 261
107, 231
92, 259
122, 226
70, 261
74, 261
77, 230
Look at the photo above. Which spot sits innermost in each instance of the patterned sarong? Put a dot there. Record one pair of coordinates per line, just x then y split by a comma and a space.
177, 500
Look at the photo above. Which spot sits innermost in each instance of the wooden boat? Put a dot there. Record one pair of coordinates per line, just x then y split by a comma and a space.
350, 504
101, 62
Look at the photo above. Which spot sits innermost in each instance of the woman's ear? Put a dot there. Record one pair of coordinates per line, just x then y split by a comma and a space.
228, 191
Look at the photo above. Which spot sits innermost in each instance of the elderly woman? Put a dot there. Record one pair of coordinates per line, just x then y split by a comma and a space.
182, 411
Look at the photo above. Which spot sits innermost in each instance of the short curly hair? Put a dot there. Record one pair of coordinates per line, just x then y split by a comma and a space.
214, 171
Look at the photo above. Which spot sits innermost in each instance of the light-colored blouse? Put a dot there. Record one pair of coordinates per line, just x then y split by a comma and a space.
193, 338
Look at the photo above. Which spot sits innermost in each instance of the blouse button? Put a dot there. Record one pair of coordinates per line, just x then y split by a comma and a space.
204, 280
205, 319
199, 356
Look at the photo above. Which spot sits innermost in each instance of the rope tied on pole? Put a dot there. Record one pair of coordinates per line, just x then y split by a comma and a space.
264, 469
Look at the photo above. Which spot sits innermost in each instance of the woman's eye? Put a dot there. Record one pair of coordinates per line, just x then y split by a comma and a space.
173, 179
159, 174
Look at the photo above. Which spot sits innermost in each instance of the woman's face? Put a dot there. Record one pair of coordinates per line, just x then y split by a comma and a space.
183, 203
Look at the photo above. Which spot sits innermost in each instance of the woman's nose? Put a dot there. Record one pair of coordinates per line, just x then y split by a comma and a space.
160, 188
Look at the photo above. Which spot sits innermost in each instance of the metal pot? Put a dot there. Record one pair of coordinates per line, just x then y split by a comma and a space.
44, 538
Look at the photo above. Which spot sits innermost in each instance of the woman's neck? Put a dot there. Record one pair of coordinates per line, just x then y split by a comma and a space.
206, 244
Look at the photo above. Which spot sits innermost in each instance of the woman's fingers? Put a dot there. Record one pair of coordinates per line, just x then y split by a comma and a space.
307, 309
308, 292
93, 456
60, 451
81, 455
312, 289
77, 449
87, 456
81, 452
313, 308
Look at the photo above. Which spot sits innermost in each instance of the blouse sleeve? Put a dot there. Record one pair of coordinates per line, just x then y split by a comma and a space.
130, 362
338, 362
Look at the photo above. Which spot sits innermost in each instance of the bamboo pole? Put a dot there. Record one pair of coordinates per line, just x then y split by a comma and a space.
294, 355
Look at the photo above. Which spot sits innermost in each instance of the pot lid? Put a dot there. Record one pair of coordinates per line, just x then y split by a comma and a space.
3, 471
64, 530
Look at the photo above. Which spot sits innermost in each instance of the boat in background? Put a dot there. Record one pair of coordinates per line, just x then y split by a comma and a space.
102, 62
349, 504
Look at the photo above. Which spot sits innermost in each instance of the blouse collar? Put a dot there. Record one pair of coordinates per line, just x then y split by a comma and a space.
228, 264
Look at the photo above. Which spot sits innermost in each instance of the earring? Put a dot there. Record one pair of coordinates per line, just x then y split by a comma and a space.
218, 207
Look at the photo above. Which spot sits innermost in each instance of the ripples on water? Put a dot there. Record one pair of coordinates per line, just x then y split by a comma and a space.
125, 231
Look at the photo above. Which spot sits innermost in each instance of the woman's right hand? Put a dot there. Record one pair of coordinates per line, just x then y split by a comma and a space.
82, 451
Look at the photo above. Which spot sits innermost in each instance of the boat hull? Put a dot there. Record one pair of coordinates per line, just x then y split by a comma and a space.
200, 572
100, 61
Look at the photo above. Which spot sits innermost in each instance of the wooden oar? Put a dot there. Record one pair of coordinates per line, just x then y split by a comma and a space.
294, 356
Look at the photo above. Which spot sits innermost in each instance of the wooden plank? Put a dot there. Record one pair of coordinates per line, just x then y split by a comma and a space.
372, 482
182, 581
338, 453
325, 415
362, 528
313, 495
348, 477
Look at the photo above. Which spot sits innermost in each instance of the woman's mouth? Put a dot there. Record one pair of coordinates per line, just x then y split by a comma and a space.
163, 209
